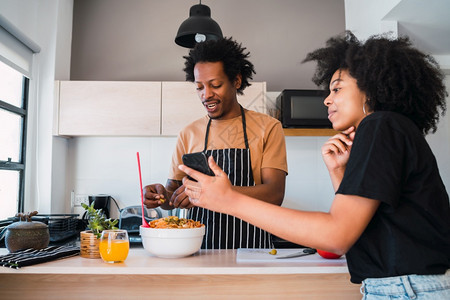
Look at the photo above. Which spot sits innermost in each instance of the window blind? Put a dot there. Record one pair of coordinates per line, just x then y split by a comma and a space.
16, 49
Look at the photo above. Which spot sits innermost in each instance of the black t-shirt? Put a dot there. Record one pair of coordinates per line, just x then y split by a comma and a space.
391, 161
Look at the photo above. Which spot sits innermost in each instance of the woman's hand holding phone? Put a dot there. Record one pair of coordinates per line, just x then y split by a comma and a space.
198, 162
208, 191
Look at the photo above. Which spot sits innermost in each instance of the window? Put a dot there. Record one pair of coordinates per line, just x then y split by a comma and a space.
16, 64
13, 125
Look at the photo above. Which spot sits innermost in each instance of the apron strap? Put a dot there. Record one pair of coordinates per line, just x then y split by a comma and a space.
207, 133
244, 127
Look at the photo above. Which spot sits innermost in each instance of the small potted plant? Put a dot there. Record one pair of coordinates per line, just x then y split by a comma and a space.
90, 239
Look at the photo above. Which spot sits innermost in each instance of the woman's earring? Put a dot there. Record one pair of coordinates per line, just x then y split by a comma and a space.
364, 109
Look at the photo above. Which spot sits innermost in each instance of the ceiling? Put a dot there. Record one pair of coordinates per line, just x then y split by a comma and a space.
427, 23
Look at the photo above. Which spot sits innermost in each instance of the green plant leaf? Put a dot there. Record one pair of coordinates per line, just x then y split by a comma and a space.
97, 221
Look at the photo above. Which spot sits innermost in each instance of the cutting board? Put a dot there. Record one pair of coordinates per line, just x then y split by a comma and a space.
262, 255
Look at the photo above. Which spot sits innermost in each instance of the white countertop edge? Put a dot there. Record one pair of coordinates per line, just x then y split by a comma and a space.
114, 270
205, 262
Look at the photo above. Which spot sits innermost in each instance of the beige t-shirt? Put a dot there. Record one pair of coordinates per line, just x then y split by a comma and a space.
265, 138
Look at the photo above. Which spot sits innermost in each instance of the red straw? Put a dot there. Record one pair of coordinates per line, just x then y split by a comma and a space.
144, 223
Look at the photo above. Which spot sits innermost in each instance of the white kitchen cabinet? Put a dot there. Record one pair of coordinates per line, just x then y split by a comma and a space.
108, 108
254, 97
181, 104
124, 108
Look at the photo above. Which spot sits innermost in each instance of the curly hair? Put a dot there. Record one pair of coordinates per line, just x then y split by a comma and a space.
394, 75
229, 52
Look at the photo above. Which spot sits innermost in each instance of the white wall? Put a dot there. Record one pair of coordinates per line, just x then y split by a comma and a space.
106, 165
45, 23
440, 142
141, 47
364, 17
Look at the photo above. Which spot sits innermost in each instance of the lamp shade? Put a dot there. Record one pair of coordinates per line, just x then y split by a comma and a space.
199, 27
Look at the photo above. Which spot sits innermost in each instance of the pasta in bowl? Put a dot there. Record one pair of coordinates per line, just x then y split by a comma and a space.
172, 237
174, 222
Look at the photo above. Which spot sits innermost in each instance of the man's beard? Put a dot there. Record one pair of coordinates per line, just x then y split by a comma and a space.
216, 117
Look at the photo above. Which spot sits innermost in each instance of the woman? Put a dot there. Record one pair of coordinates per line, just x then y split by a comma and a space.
390, 214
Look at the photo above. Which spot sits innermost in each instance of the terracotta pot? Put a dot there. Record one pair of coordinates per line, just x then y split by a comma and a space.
89, 245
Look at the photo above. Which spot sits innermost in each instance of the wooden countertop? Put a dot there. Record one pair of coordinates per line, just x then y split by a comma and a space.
203, 262
209, 274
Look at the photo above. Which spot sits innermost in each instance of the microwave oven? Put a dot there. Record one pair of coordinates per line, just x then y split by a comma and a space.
302, 109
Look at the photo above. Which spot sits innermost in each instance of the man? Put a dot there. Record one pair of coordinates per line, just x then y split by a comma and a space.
249, 146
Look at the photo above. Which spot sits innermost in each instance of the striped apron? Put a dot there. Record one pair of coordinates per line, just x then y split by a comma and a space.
225, 231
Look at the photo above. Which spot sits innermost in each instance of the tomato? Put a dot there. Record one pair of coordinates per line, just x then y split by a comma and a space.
328, 255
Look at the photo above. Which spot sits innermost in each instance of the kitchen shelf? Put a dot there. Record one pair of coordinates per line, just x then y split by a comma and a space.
309, 131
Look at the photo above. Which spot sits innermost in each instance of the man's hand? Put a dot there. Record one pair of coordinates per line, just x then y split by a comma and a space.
154, 195
180, 199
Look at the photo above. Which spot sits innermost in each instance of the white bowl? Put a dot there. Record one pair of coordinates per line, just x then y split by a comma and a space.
172, 242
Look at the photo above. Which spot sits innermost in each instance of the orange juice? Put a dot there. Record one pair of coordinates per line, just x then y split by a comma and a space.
114, 250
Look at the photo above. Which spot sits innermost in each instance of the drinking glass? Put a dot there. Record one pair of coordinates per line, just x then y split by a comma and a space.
114, 245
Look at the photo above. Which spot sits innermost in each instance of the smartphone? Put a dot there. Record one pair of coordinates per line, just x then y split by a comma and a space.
197, 161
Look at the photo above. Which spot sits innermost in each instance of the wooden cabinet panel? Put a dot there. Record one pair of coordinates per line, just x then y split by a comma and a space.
109, 108
138, 108
181, 104
254, 97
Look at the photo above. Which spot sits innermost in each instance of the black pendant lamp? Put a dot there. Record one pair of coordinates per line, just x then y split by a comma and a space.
199, 27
